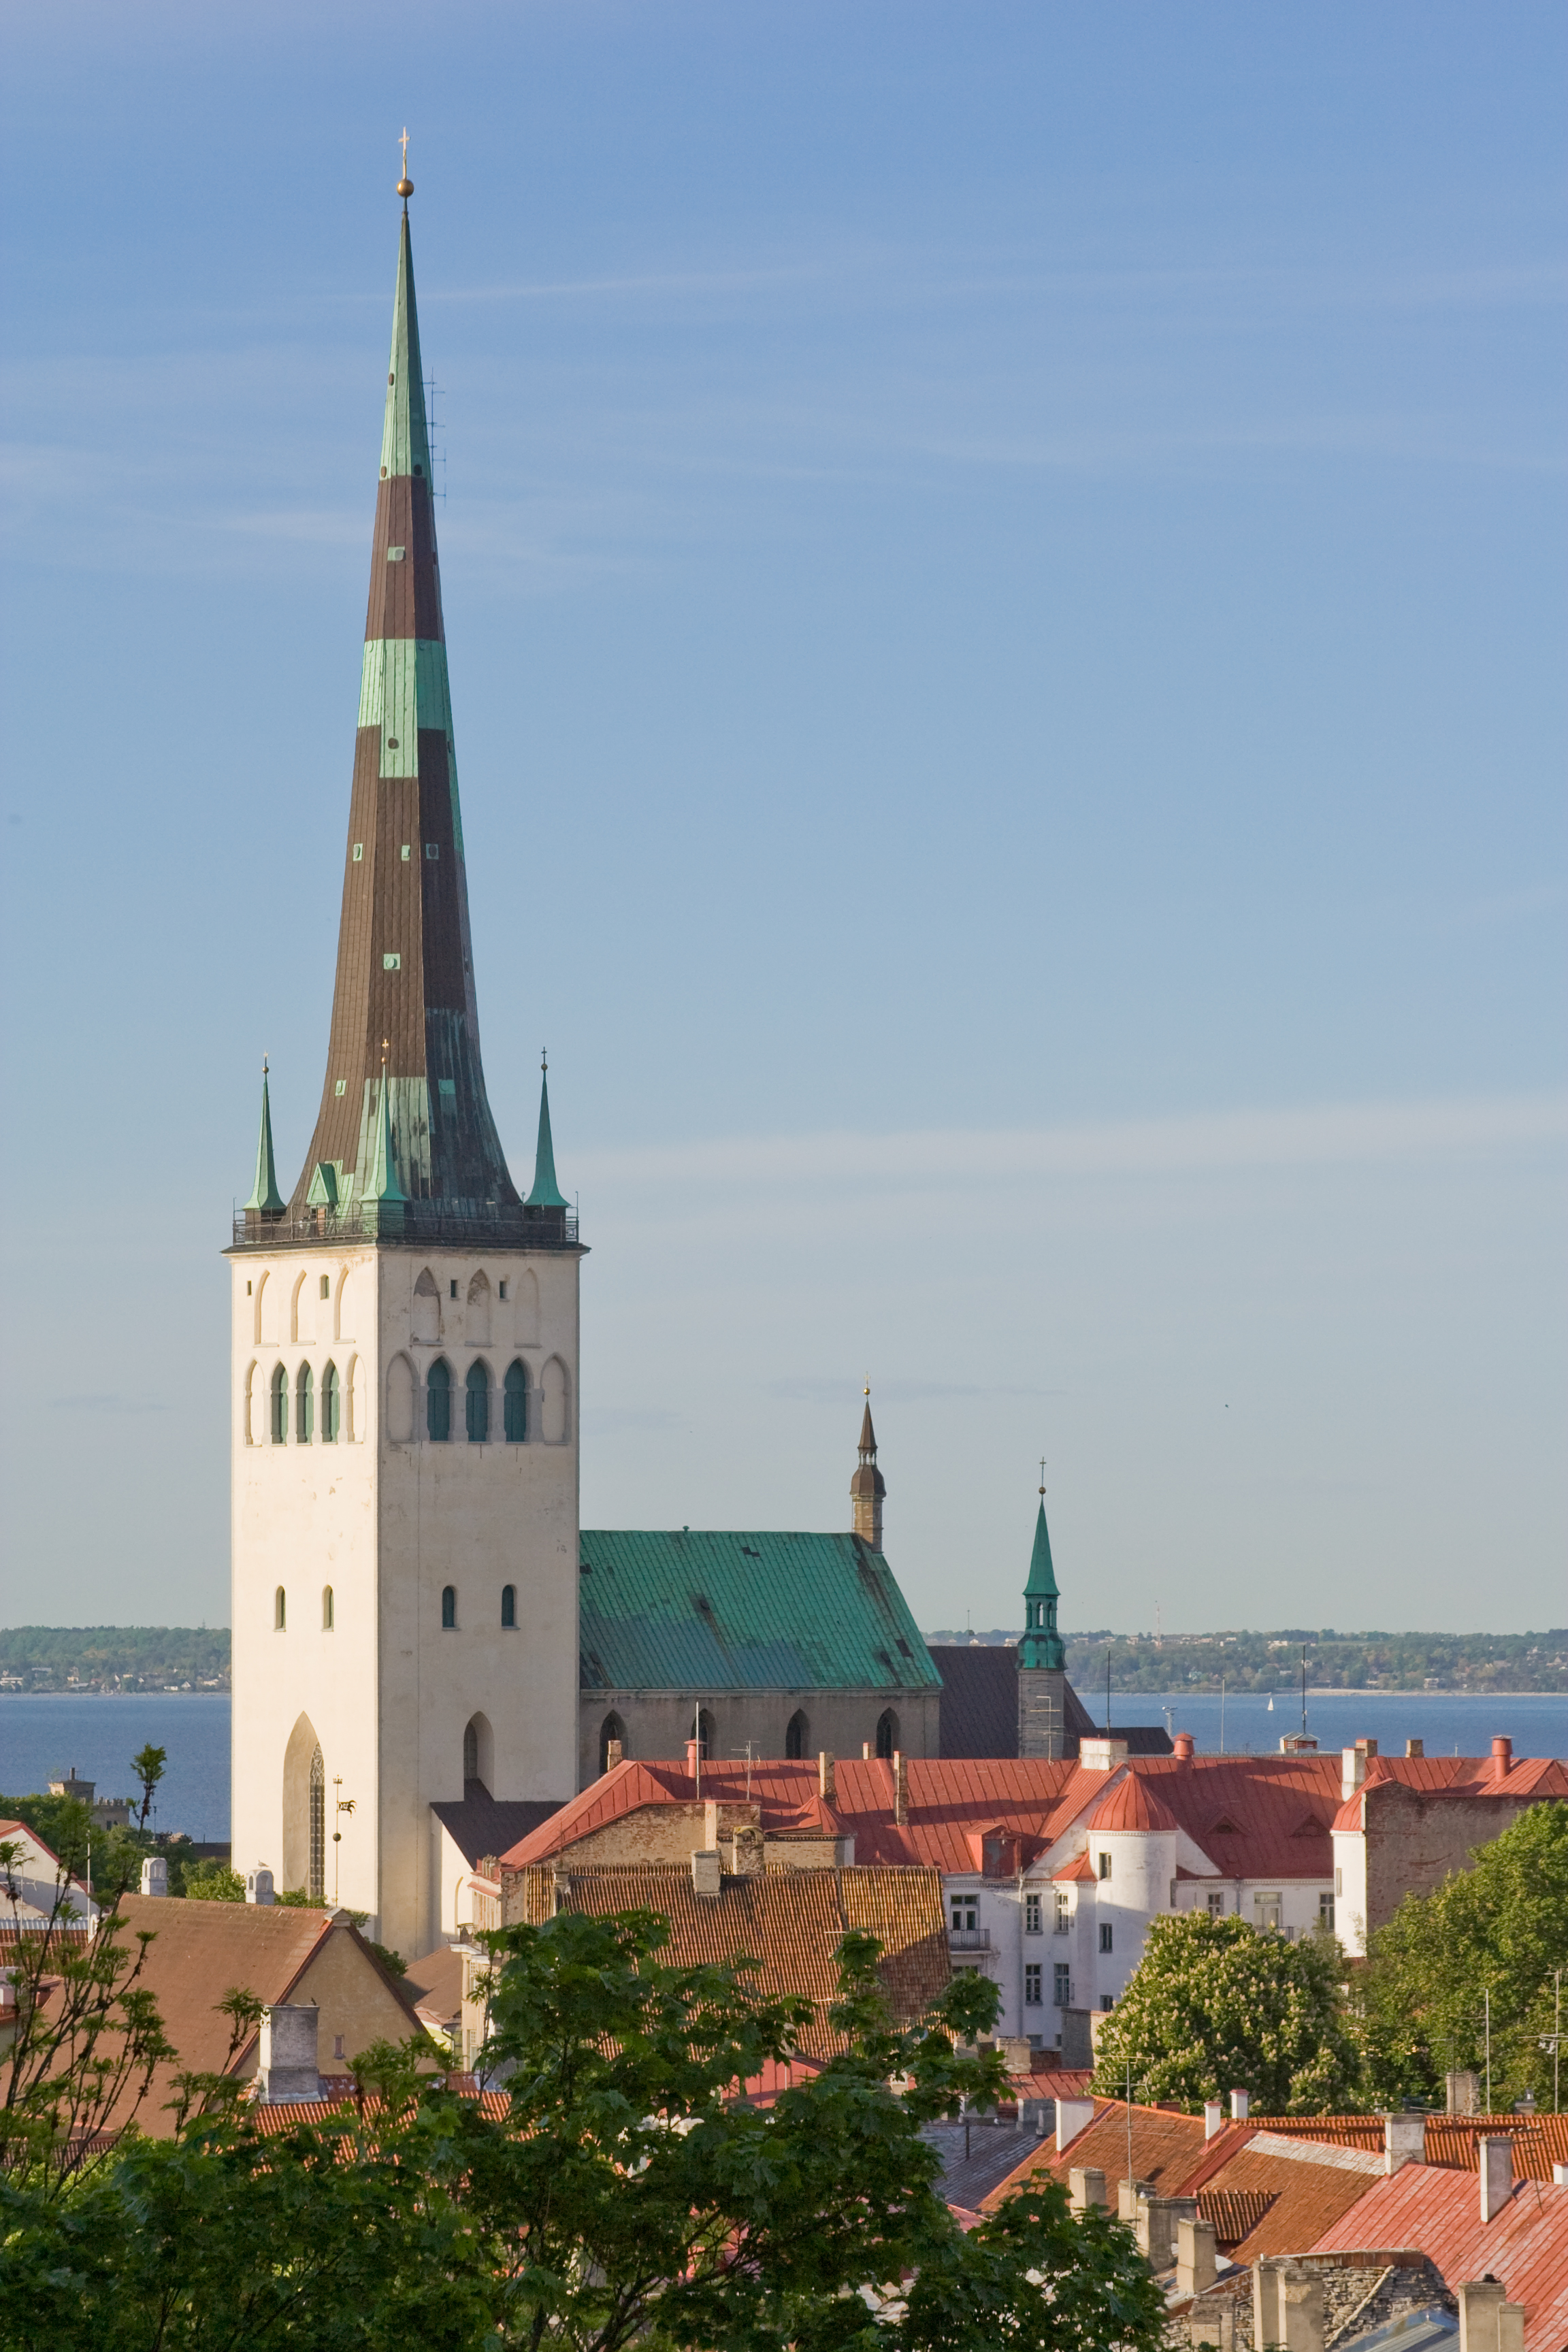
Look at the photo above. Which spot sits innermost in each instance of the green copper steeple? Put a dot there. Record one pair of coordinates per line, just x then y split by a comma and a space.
1041, 1646
385, 1199
266, 1200
546, 1193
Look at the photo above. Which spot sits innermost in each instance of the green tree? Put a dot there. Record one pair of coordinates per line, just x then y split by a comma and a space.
1501, 1927
1213, 2006
147, 1766
212, 1881
624, 2197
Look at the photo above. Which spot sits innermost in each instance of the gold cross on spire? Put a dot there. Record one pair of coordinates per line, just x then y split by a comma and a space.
404, 186
1042, 1474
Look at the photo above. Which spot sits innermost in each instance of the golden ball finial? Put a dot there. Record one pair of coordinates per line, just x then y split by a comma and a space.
406, 189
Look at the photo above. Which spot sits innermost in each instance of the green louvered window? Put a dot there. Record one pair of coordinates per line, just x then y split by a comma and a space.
280, 1406
305, 1405
330, 1403
515, 1402
438, 1402
477, 1403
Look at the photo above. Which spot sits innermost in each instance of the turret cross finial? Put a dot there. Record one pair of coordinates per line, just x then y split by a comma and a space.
1042, 1474
403, 142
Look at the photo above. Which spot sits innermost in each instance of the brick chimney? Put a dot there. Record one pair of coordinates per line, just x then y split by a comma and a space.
286, 2068
613, 1754
1404, 2141
826, 1777
901, 1790
1353, 1762
1488, 2321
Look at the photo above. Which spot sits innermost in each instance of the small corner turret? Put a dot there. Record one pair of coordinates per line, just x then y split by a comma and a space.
266, 1203
867, 1488
546, 1202
1042, 1654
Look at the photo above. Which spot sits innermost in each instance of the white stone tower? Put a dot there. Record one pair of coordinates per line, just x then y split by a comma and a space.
405, 1341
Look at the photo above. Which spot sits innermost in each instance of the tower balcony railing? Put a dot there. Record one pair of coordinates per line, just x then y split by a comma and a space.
420, 1223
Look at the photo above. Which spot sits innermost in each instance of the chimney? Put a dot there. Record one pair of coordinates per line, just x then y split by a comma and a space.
705, 1878
1158, 2221
286, 2068
865, 1751
1560, 2176
1214, 2117
1404, 2141
1488, 2321
1073, 2115
613, 1754
259, 1885
560, 1887
710, 1825
1086, 2187
1463, 2090
1353, 1762
1128, 2192
1240, 2101
901, 1790
694, 1763
1184, 1747
154, 1875
825, 1777
1416, 1747
1196, 2268
1288, 2305
1496, 2160
1502, 1759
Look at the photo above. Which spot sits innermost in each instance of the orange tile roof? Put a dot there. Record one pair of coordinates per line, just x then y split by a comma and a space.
1302, 2188
1132, 1805
1165, 2147
792, 1921
1466, 1776
1539, 2141
1439, 2209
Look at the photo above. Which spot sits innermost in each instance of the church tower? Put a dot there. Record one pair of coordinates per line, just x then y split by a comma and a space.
867, 1488
1042, 1655
404, 1338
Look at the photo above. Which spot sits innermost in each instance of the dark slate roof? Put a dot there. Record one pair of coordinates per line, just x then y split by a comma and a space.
481, 1824
702, 1609
980, 1706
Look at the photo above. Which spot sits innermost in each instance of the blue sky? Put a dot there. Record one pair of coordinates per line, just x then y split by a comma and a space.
1005, 572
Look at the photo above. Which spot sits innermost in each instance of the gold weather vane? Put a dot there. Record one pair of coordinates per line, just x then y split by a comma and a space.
404, 186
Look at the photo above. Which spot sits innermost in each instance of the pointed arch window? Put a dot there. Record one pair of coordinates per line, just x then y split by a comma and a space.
317, 1888
514, 1402
329, 1609
280, 1405
279, 1611
331, 1405
305, 1405
477, 1402
438, 1400
509, 1604
471, 1752
797, 1735
612, 1736
449, 1608
887, 1733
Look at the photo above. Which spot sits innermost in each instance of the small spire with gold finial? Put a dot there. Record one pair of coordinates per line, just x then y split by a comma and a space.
404, 186
867, 1488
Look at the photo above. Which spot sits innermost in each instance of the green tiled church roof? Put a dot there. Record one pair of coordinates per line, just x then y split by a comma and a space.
700, 1609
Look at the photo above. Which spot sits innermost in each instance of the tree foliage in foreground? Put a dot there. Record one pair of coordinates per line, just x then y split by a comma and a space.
626, 2197
1213, 2006
1500, 1928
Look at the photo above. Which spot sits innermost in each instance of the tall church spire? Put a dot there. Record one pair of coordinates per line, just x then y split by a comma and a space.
405, 969
867, 1488
1041, 1645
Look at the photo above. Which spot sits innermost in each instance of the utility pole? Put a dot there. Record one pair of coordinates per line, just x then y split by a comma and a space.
1488, 2001
341, 1805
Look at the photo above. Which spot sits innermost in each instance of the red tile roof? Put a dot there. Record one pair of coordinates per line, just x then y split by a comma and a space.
1165, 2148
1304, 2186
1439, 2209
1466, 1776
1132, 1805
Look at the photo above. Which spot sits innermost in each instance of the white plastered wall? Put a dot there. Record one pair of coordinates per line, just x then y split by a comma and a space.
387, 1523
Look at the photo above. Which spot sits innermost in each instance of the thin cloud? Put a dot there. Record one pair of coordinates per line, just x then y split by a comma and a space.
1320, 1135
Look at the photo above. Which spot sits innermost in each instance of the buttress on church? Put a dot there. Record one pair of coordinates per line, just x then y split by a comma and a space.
431, 1654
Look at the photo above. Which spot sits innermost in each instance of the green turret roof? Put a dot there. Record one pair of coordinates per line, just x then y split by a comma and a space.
1041, 1645
1042, 1585
546, 1193
384, 1184
264, 1197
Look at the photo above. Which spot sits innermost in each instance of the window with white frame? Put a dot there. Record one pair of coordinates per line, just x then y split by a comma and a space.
1105, 1935
1216, 1904
1033, 1997
964, 1913
1105, 1866
1064, 1911
1266, 1913
1031, 1915
1326, 1913
1063, 1985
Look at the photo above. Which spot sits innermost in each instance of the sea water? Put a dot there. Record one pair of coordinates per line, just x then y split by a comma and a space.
1447, 1723
43, 1736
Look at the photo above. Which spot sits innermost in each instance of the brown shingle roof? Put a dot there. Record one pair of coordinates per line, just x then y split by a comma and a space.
792, 1921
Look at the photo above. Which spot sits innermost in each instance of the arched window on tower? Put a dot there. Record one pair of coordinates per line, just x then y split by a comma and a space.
317, 1888
509, 1604
471, 1752
438, 1400
331, 1405
305, 1405
797, 1735
514, 1396
280, 1405
887, 1733
449, 1608
279, 1611
478, 1401
611, 1735
329, 1616
478, 1754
